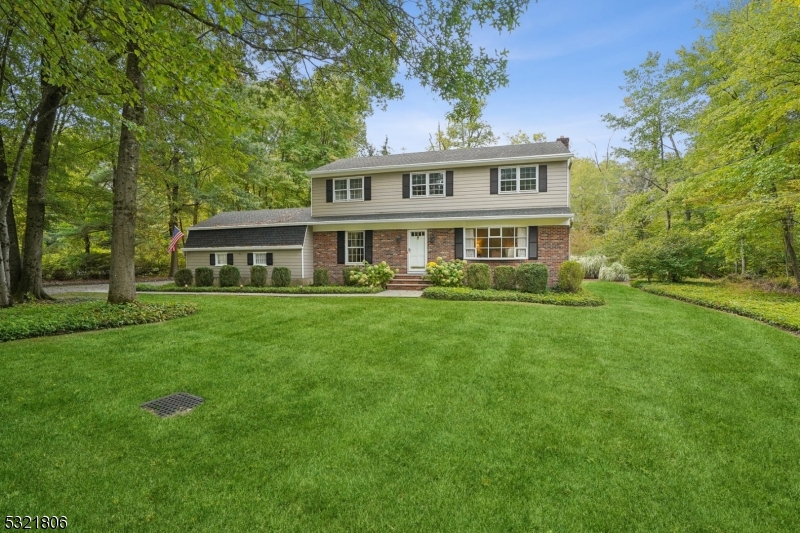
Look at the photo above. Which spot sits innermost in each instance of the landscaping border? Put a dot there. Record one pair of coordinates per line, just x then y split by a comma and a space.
575, 299
295, 289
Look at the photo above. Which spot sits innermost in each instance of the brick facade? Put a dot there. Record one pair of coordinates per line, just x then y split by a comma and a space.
390, 246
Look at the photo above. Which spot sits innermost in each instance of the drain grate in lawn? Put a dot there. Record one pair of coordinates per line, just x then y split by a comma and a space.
178, 403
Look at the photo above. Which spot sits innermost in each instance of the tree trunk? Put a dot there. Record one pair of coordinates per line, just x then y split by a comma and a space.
122, 282
30, 282
14, 259
788, 242
173, 222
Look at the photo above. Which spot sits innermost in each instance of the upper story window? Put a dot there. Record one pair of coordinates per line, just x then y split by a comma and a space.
518, 179
347, 189
427, 184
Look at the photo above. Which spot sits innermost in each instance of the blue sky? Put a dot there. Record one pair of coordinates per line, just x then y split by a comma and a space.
566, 62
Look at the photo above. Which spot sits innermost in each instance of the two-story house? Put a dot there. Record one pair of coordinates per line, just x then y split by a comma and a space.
502, 205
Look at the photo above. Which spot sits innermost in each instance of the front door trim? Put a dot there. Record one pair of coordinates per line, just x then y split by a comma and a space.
418, 249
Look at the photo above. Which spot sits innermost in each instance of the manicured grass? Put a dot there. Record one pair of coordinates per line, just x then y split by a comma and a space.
778, 309
344, 414
576, 299
295, 289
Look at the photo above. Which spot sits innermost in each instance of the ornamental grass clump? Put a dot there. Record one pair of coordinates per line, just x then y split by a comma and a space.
228, 276
505, 278
479, 276
614, 272
532, 277
373, 275
321, 277
591, 264
258, 276
570, 276
183, 277
203, 277
443, 273
281, 277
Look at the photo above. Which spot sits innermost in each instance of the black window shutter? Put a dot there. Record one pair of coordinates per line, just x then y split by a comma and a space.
367, 188
230, 259
269, 258
328, 190
213, 259
542, 178
249, 259
368, 246
492, 181
459, 238
340, 247
449, 183
533, 242
406, 185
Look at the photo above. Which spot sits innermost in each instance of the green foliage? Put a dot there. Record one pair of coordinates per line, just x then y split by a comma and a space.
479, 276
204, 277
38, 319
465, 128
505, 278
183, 277
614, 272
532, 278
373, 275
228, 276
321, 278
670, 258
446, 273
578, 299
269, 289
281, 277
258, 276
570, 276
775, 308
347, 275
591, 264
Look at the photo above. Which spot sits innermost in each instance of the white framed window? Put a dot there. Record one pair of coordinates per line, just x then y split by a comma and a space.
355, 247
519, 179
221, 259
424, 184
260, 259
496, 243
348, 189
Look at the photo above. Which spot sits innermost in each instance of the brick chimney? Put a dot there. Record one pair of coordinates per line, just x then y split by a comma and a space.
564, 140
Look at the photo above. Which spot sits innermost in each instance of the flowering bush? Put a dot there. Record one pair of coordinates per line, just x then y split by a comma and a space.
373, 275
446, 273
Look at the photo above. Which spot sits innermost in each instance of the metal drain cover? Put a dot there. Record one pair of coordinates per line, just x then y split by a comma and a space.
178, 403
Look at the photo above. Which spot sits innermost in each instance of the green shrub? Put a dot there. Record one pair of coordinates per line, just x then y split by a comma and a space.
668, 258
269, 289
532, 277
228, 276
570, 276
281, 277
204, 277
258, 276
591, 264
581, 298
321, 277
479, 276
505, 278
373, 275
614, 272
348, 277
443, 273
183, 277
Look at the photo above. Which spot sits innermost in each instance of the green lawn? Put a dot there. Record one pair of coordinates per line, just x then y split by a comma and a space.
361, 414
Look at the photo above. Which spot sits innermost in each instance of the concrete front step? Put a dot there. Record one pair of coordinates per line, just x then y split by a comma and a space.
408, 282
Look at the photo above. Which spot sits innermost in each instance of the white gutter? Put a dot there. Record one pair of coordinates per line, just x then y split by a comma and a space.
438, 164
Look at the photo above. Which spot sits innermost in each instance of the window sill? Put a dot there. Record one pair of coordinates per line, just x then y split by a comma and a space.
428, 196
346, 201
517, 192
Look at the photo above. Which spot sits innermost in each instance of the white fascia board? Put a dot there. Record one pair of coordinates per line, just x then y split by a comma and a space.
243, 248
551, 220
448, 165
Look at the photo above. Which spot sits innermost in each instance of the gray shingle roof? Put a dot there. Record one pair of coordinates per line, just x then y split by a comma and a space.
448, 156
261, 217
247, 237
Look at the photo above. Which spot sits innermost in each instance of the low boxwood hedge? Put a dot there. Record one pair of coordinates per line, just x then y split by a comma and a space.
258, 276
271, 289
184, 277
229, 276
479, 276
577, 299
66, 316
203, 277
532, 278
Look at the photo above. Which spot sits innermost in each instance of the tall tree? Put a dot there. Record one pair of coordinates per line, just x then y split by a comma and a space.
465, 128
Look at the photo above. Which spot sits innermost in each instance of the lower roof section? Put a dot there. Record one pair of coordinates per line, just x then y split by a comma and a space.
245, 237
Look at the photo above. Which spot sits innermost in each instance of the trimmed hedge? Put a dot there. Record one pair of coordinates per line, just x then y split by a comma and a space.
269, 289
321, 278
281, 277
570, 276
532, 278
479, 276
505, 278
228, 276
776, 309
183, 277
258, 276
204, 277
67, 316
577, 299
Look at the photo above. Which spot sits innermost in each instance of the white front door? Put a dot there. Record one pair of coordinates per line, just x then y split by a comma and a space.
417, 250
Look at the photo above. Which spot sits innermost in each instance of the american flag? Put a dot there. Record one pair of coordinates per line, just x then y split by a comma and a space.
176, 237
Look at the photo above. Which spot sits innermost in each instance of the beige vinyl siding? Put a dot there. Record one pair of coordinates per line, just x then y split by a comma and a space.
308, 254
282, 258
470, 191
